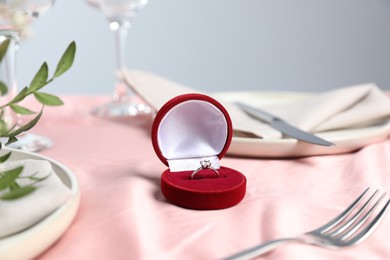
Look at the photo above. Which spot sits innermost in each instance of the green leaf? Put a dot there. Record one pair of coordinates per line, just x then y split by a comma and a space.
18, 193
3, 48
14, 186
48, 99
5, 157
21, 110
12, 135
3, 127
40, 78
11, 139
66, 60
3, 88
37, 179
20, 96
9, 177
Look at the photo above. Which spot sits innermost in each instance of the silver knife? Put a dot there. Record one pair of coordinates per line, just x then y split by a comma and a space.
282, 125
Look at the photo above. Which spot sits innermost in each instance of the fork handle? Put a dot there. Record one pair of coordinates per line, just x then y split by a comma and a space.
260, 249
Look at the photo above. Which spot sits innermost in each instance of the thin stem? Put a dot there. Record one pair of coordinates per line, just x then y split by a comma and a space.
120, 30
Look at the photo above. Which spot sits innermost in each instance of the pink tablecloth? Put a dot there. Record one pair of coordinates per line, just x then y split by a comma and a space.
123, 214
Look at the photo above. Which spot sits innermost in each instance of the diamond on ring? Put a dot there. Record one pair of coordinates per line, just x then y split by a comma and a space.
204, 165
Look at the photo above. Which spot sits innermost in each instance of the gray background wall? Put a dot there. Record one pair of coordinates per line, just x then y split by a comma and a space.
218, 45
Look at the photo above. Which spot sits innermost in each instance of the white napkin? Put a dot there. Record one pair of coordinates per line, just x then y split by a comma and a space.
342, 108
17, 215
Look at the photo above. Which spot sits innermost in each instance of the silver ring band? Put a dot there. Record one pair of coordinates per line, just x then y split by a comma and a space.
205, 165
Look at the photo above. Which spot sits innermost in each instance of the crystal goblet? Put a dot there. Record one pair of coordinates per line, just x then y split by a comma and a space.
124, 104
15, 18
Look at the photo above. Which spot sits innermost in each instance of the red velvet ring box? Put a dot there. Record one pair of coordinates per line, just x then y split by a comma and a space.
189, 129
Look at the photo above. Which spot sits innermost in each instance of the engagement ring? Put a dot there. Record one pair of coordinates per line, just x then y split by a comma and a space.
204, 165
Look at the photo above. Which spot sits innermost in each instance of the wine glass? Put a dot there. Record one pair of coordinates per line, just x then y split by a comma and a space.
124, 104
15, 18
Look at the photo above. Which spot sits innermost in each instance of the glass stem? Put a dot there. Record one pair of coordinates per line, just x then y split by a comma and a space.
10, 75
10, 66
120, 30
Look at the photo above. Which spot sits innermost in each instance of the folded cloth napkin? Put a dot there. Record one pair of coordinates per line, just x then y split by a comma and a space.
342, 108
19, 214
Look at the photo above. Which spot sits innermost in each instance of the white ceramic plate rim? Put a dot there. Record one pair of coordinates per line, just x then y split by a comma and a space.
33, 241
344, 140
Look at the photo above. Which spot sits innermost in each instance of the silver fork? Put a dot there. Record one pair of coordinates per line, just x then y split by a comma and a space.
345, 230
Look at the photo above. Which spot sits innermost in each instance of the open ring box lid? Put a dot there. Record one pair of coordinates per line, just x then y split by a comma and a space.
186, 130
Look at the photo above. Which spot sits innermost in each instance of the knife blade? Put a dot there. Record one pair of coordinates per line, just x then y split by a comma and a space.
282, 125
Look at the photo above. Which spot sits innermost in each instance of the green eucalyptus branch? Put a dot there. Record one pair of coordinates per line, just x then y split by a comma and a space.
39, 81
8, 179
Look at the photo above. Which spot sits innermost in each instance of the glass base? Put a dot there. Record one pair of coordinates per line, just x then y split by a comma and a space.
131, 111
31, 143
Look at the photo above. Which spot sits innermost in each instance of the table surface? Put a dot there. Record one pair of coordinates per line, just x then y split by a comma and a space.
123, 214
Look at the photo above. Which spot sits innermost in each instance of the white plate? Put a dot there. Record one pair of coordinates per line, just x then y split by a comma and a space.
344, 140
31, 242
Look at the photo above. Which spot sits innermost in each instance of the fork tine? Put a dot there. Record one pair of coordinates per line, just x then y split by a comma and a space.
345, 226
319, 238
358, 223
362, 235
342, 215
